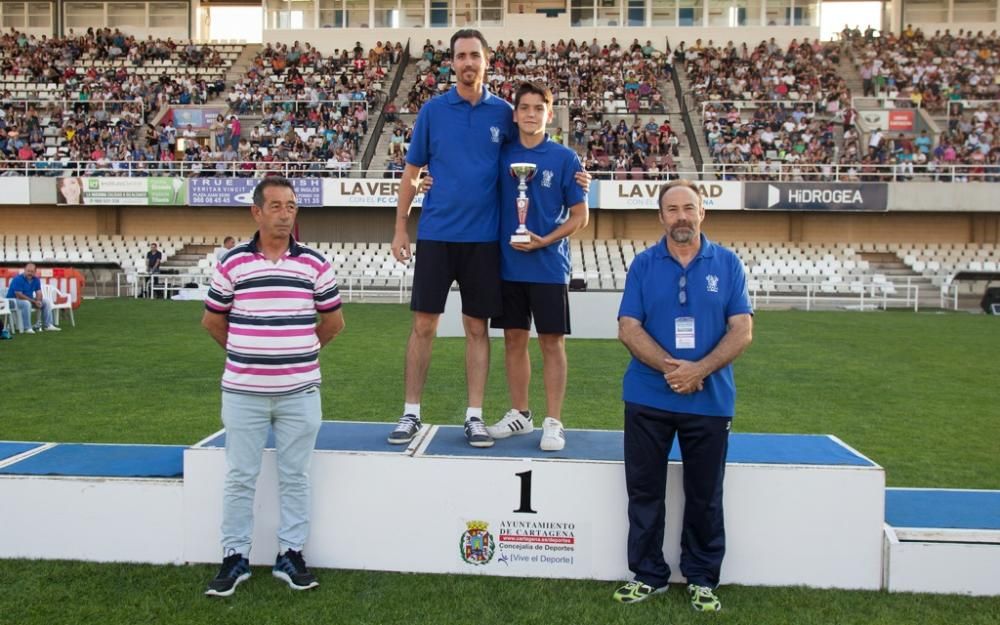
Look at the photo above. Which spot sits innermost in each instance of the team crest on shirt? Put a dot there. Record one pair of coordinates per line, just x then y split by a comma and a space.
495, 134
547, 178
713, 283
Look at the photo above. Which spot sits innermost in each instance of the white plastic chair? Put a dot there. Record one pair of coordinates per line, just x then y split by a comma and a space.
5, 311
60, 301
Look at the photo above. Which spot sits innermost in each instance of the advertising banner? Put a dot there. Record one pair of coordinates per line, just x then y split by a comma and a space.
14, 190
363, 192
893, 120
199, 118
817, 196
239, 191
620, 194
902, 120
152, 191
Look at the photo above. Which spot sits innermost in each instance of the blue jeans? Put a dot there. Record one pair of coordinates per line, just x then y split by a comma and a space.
248, 419
24, 307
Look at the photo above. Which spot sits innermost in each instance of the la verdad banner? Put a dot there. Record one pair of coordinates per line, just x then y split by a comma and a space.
639, 194
363, 192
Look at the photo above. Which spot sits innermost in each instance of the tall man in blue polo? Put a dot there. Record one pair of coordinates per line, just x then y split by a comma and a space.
273, 304
536, 273
685, 316
457, 136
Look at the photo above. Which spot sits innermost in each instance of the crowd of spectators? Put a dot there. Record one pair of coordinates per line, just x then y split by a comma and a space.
927, 72
400, 134
78, 64
806, 72
624, 151
591, 75
301, 73
760, 139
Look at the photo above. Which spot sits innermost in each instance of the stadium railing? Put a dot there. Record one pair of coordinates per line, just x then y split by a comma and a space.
855, 172
181, 168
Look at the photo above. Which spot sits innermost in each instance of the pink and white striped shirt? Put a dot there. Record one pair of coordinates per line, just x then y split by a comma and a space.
272, 347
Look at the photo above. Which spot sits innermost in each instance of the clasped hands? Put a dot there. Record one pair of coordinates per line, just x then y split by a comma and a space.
683, 376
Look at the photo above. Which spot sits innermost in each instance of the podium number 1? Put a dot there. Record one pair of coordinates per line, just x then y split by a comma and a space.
525, 493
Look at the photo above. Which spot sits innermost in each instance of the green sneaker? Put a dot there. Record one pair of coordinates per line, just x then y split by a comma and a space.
634, 592
703, 599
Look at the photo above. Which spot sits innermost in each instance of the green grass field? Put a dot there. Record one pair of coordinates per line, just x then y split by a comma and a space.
915, 392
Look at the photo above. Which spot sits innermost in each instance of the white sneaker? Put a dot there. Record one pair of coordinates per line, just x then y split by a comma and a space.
553, 436
53, 329
512, 423
29, 331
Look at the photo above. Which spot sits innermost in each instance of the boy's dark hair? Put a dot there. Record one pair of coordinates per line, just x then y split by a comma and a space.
527, 87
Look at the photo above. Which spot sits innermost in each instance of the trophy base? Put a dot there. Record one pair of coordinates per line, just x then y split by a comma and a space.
520, 238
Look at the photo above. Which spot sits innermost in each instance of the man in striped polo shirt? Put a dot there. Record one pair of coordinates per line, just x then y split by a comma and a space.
262, 308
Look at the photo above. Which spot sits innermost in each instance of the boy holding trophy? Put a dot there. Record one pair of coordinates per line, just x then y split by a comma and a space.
541, 205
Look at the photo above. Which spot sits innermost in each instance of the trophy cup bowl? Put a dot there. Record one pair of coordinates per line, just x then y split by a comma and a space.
523, 172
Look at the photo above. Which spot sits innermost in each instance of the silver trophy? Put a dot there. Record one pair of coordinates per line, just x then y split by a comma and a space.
523, 172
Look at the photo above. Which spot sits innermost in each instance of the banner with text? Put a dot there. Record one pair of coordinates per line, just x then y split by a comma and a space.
363, 192
239, 191
638, 194
893, 120
154, 191
817, 196
14, 190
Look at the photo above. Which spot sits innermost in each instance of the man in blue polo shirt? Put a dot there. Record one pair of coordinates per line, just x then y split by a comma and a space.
536, 273
458, 137
685, 316
25, 293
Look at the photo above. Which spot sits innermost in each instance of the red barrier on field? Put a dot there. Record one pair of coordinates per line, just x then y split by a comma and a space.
66, 279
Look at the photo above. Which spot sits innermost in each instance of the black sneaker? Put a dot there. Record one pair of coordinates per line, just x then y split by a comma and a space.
476, 434
235, 569
406, 429
291, 568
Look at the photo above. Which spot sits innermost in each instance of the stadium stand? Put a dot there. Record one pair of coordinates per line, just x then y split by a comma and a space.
775, 112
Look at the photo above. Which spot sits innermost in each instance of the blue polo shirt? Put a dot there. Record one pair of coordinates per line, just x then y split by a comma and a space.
460, 143
716, 290
551, 193
21, 284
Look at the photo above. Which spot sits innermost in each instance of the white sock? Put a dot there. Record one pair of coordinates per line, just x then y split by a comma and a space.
413, 409
471, 413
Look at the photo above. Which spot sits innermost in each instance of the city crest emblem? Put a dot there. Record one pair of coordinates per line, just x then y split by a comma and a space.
476, 545
547, 178
495, 134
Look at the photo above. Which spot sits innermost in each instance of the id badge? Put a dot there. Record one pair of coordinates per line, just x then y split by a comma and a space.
684, 333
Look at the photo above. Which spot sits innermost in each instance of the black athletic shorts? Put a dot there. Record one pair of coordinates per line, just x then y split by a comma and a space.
547, 304
476, 268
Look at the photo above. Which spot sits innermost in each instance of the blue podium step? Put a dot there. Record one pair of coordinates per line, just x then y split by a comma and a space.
90, 460
9, 449
942, 508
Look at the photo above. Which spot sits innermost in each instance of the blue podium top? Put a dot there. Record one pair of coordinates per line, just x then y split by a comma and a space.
88, 460
600, 445
338, 436
936, 508
9, 449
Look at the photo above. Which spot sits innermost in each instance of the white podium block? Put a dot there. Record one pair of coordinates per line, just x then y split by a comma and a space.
800, 509
592, 315
943, 541
85, 515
